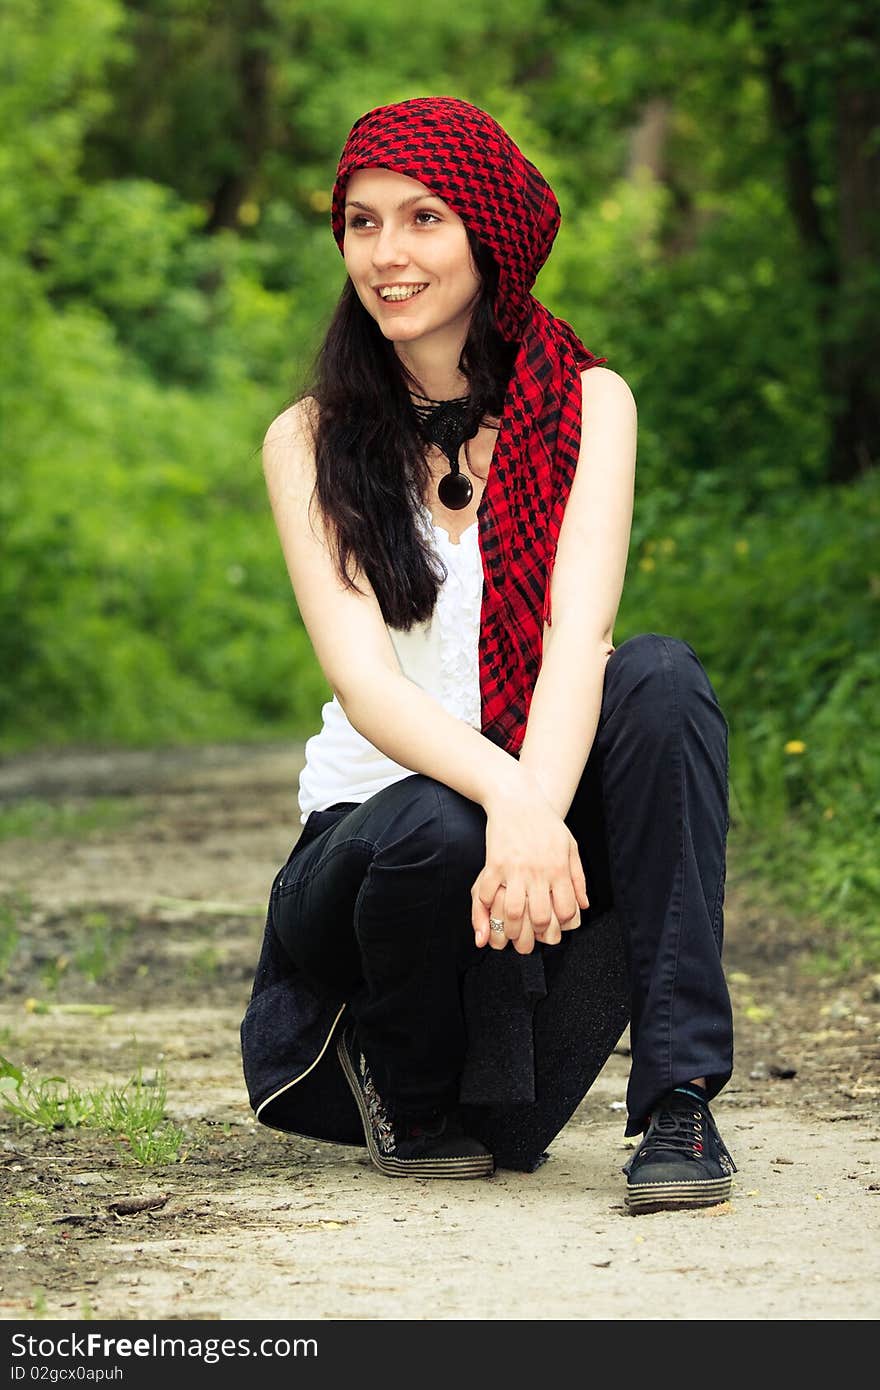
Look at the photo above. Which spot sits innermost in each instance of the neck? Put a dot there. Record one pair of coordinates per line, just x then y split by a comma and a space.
434, 365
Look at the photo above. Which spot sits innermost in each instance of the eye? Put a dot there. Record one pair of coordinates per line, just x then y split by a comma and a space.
357, 220
425, 213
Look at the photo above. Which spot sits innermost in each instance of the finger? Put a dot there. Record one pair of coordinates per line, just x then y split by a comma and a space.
479, 917
550, 935
487, 885
525, 942
483, 894
498, 939
570, 920
578, 880
565, 904
512, 903
540, 908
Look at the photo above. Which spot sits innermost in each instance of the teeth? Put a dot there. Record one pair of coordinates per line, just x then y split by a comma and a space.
398, 292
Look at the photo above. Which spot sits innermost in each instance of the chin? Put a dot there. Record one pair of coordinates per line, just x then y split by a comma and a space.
398, 332
405, 330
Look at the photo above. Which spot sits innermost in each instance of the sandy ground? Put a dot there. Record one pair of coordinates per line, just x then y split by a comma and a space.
257, 1225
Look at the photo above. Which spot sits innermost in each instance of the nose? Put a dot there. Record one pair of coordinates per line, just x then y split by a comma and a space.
388, 248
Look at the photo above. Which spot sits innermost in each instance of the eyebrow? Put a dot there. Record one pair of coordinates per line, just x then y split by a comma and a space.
407, 202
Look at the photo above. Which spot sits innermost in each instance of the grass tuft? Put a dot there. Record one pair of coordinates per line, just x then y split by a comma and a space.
133, 1115
56, 820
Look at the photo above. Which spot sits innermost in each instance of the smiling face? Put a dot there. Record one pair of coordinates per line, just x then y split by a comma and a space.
408, 257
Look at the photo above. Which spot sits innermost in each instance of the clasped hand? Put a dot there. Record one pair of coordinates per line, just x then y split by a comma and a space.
533, 880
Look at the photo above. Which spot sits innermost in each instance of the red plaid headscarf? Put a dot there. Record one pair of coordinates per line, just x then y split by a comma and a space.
469, 160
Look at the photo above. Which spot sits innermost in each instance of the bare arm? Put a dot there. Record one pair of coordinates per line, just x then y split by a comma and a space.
352, 644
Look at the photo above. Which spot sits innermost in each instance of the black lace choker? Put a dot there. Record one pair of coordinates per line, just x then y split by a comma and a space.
448, 424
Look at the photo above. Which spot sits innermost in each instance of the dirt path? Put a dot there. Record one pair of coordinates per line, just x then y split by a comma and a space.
160, 914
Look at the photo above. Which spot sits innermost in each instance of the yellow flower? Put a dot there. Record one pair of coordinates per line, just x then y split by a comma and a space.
647, 563
741, 547
320, 200
667, 546
828, 813
795, 745
249, 214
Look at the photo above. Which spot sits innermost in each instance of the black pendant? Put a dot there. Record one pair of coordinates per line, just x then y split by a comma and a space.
449, 425
455, 490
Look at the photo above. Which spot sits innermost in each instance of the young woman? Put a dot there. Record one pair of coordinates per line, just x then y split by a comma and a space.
514, 832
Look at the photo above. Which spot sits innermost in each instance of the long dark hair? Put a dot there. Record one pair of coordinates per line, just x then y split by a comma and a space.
370, 458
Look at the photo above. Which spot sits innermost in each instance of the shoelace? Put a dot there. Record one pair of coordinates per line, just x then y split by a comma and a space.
680, 1130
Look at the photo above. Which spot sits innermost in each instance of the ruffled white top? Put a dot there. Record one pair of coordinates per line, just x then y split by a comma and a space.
440, 656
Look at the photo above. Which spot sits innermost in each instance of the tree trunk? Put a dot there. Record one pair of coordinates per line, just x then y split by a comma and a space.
844, 270
855, 444
253, 73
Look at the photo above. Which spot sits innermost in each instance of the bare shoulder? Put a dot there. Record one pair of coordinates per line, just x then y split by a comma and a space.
602, 384
288, 445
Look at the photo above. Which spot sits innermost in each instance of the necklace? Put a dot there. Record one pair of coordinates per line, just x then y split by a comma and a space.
448, 425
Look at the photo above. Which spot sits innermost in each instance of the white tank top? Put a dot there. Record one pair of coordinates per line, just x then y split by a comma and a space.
440, 655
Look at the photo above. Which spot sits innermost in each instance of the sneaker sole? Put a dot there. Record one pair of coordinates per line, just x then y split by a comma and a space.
676, 1196
472, 1166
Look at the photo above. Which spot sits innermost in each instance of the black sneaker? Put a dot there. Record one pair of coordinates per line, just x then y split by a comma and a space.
404, 1146
682, 1160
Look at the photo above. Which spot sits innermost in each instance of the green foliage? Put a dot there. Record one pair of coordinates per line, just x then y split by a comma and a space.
155, 599
53, 68
781, 608
133, 1115
166, 272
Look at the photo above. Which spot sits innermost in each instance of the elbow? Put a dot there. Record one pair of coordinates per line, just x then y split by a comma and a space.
358, 690
568, 633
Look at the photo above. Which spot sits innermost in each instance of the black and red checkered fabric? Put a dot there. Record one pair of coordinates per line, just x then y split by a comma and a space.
464, 156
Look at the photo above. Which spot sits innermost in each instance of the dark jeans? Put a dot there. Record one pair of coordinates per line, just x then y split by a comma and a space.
378, 904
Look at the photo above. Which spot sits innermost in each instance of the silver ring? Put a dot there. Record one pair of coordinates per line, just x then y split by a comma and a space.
496, 924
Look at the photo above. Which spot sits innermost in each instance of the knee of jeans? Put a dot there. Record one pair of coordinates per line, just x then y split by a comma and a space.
662, 673
434, 825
